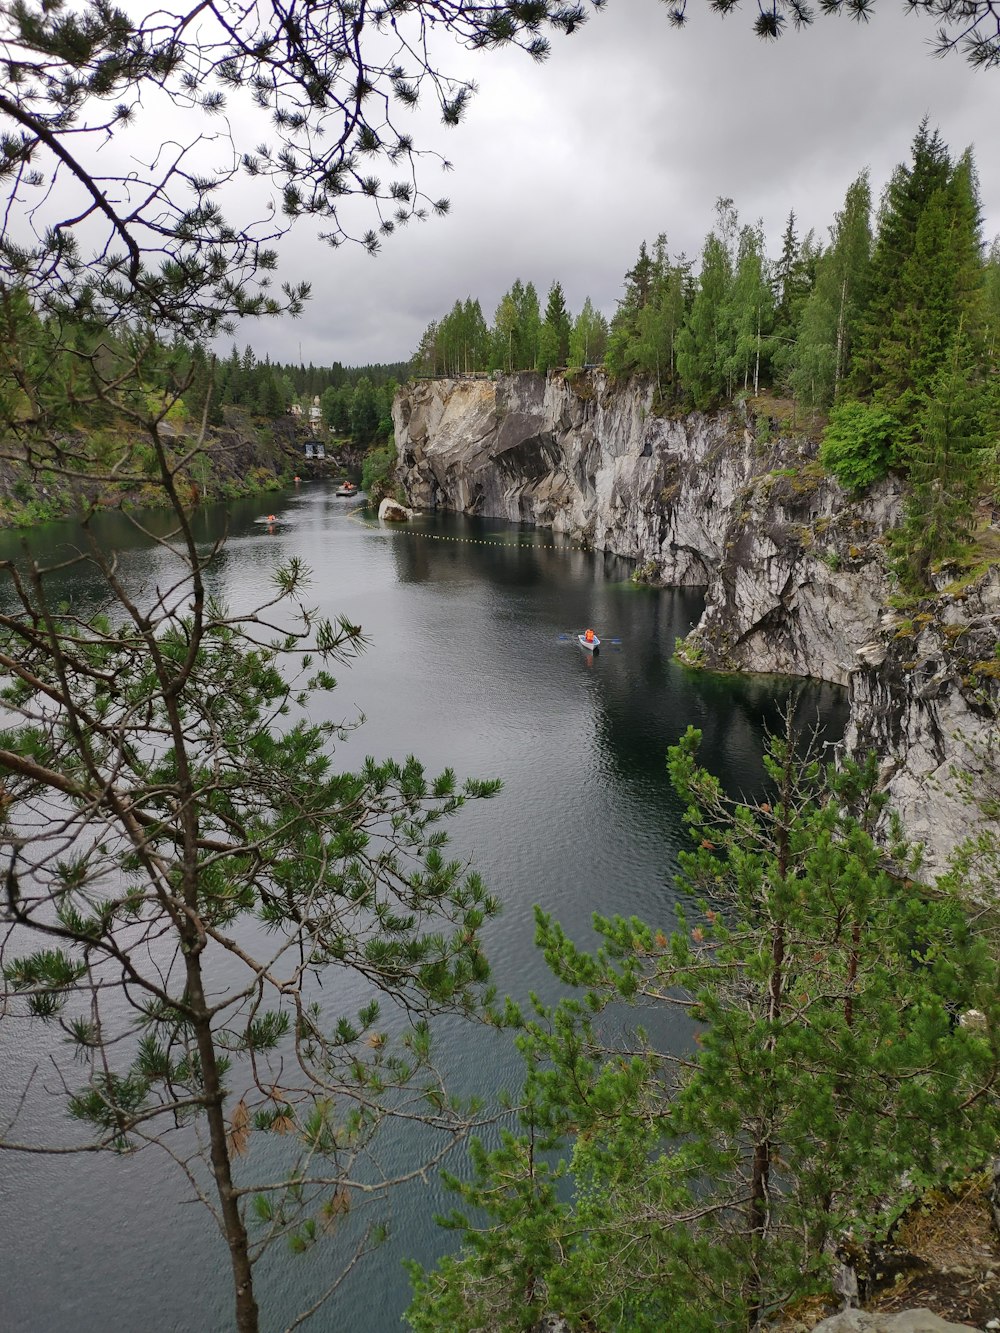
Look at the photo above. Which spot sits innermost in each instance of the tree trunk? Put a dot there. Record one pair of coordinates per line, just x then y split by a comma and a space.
247, 1317
841, 336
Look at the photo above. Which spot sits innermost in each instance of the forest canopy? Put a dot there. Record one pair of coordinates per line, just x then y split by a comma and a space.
886, 333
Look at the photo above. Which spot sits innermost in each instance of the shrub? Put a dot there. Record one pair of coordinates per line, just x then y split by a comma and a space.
858, 444
377, 468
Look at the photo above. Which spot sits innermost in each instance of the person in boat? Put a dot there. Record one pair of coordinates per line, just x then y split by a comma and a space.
589, 636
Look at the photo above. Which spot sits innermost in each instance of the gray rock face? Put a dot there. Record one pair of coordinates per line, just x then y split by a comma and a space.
930, 710
793, 571
910, 1321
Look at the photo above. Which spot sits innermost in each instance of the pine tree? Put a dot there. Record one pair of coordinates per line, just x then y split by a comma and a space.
709, 1181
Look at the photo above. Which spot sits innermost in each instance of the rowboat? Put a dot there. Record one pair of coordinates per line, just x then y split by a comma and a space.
589, 640
347, 488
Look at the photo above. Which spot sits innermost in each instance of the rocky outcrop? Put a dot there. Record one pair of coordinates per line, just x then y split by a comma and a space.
391, 511
926, 698
794, 573
909, 1321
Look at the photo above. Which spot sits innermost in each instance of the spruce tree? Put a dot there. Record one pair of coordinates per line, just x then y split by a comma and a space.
924, 280
557, 318
945, 463
622, 356
703, 344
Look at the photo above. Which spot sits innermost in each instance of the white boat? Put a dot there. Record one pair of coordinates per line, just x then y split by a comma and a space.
589, 640
348, 488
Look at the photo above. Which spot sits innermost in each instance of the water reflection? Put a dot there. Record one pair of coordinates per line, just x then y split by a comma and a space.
473, 663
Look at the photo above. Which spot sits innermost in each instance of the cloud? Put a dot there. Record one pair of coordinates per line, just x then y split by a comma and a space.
631, 129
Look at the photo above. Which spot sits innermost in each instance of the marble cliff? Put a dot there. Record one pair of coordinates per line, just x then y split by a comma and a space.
794, 571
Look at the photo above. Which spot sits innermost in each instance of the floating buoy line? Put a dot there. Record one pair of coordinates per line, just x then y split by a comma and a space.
404, 530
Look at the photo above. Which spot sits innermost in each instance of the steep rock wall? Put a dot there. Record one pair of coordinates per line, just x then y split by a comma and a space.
794, 573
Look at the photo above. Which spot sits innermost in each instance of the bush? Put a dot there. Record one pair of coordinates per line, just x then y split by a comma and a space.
377, 468
858, 444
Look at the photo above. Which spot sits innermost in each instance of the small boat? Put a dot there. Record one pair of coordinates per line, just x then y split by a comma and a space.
589, 640
347, 488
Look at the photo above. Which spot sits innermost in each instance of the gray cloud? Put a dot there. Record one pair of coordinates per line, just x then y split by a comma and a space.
630, 129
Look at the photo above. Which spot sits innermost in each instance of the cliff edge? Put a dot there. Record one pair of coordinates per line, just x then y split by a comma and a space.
794, 570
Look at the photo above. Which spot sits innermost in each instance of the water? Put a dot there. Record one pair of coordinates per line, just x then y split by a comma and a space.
473, 663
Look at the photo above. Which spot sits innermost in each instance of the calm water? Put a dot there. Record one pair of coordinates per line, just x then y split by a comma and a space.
473, 664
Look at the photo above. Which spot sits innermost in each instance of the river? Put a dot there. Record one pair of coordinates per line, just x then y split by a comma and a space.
473, 663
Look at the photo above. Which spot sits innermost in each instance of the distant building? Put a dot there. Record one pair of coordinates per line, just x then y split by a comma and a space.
315, 413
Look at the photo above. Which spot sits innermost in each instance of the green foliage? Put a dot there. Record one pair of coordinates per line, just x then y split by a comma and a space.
829, 314
858, 444
925, 280
644, 332
548, 349
825, 1066
458, 344
705, 345
377, 472
553, 336
201, 824
516, 329
588, 337
946, 464
365, 414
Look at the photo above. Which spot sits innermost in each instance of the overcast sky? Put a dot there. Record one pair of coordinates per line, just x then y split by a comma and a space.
629, 129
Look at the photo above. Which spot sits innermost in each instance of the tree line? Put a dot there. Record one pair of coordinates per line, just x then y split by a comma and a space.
522, 337
888, 332
354, 401
184, 380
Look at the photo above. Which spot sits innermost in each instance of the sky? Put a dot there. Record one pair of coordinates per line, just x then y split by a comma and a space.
629, 129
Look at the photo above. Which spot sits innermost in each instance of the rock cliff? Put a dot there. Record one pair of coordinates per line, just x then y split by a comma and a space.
794, 572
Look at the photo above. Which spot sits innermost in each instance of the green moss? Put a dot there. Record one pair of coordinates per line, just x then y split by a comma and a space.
689, 653
646, 573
